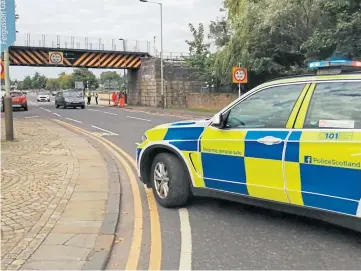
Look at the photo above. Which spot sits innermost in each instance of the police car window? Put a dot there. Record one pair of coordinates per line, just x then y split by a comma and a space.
269, 108
335, 105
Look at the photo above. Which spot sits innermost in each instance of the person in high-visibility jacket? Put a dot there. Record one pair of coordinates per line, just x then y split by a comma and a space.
114, 98
88, 95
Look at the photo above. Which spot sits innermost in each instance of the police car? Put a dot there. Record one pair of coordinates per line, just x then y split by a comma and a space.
292, 144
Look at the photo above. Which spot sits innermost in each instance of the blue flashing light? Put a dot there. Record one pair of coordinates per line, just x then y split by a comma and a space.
330, 63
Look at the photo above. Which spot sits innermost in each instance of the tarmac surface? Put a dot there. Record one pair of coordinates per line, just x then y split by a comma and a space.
208, 234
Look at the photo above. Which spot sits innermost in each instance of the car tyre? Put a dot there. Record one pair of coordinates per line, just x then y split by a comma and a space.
26, 108
82, 107
56, 106
175, 179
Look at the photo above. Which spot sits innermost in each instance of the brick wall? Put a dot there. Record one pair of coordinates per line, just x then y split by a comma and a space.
209, 101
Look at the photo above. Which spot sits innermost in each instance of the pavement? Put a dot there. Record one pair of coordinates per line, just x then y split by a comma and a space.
207, 234
54, 199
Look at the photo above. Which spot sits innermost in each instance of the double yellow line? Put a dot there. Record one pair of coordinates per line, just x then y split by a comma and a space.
128, 162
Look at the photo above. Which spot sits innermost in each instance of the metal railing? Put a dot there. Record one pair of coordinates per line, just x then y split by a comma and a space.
174, 56
85, 43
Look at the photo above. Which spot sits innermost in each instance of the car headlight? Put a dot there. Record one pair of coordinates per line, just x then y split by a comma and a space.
144, 137
67, 101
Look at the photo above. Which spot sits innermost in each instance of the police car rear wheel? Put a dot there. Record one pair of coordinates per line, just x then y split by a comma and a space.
170, 181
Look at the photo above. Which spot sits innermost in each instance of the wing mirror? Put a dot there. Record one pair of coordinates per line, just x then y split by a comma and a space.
218, 120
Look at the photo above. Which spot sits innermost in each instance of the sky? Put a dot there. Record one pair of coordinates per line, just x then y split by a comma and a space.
110, 19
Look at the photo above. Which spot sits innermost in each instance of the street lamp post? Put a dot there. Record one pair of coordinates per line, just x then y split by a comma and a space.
125, 81
164, 99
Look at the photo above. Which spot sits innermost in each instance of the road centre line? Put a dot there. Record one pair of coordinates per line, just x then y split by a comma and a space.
137, 118
95, 110
110, 113
30, 117
101, 129
78, 121
134, 253
56, 114
45, 109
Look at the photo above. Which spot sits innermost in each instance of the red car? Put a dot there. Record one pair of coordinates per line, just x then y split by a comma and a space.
18, 100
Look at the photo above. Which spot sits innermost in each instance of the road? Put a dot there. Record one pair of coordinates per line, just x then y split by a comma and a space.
221, 235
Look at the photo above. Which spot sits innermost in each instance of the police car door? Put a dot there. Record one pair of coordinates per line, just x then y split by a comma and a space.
245, 156
323, 156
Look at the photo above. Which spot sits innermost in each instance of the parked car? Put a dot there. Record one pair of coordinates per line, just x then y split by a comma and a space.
18, 101
291, 144
69, 99
43, 96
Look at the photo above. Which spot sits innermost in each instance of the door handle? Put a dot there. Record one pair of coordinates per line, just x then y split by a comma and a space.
269, 140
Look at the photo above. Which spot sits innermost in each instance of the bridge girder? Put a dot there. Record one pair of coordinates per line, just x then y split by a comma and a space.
75, 58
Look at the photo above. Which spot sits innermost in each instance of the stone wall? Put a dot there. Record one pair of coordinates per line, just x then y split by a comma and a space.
210, 101
145, 84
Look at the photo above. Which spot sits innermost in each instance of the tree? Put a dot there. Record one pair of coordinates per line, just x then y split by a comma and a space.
111, 79
38, 81
27, 84
20, 85
340, 33
52, 84
278, 37
219, 30
84, 75
199, 54
65, 81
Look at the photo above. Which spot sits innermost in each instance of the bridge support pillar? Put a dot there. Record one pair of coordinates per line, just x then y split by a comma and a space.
145, 83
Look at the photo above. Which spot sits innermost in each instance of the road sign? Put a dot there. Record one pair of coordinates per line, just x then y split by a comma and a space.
79, 85
55, 58
7, 30
240, 75
2, 70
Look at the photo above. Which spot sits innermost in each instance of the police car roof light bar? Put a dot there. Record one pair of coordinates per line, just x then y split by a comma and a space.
334, 63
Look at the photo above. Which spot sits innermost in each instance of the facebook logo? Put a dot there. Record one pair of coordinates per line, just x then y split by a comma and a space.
308, 159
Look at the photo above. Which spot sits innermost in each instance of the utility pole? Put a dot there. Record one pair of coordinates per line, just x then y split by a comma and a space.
8, 107
8, 37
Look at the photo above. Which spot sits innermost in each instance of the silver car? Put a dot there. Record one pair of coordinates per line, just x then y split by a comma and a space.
69, 99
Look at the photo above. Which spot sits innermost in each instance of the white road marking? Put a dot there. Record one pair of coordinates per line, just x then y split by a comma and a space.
94, 110
45, 109
137, 118
111, 113
185, 262
74, 120
31, 117
56, 114
101, 129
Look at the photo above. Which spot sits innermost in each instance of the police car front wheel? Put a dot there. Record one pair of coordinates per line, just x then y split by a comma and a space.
170, 181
